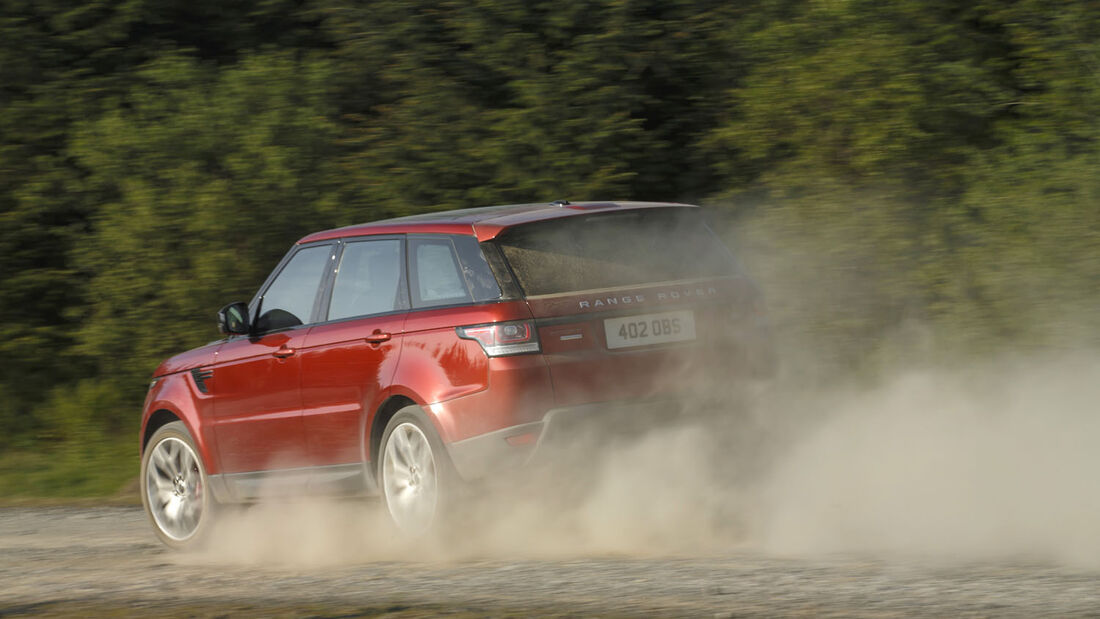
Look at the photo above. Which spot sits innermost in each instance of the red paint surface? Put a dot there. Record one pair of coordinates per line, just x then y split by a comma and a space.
190, 359
257, 412
342, 378
439, 367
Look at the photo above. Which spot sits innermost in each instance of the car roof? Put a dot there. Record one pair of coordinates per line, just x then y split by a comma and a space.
485, 222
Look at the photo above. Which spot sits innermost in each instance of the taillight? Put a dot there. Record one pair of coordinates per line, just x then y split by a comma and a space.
503, 338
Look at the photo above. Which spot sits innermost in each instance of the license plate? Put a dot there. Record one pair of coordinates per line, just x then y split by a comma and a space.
650, 329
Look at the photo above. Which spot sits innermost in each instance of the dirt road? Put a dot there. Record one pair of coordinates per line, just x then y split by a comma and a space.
105, 561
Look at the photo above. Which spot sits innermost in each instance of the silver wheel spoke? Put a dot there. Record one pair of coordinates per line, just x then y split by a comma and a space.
160, 462
393, 453
190, 509
172, 509
172, 458
417, 447
402, 444
401, 471
162, 482
412, 447
186, 462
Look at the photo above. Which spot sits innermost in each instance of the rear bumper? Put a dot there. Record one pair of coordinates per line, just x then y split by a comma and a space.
511, 448
718, 382
480, 456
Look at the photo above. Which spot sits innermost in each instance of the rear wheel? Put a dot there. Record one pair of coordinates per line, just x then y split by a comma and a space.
174, 487
418, 482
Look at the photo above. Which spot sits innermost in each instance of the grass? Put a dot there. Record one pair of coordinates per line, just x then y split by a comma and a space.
76, 471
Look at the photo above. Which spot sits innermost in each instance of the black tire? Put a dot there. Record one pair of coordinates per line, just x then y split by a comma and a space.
175, 490
416, 479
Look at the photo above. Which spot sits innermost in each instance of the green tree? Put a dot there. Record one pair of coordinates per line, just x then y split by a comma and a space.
1035, 199
62, 64
877, 137
204, 178
490, 101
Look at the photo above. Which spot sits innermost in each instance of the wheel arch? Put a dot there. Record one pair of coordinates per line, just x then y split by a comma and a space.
378, 423
173, 399
157, 420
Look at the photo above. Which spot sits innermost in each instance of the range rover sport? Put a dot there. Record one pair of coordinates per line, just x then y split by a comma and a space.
406, 357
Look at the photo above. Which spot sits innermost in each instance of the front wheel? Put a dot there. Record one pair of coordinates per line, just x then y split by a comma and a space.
417, 479
174, 487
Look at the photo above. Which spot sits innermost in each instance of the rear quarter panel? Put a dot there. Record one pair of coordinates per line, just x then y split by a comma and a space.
438, 367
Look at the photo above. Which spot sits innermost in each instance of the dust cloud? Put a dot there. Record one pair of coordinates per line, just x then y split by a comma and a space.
992, 460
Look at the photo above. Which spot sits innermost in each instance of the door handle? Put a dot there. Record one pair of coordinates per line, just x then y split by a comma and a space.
284, 352
377, 337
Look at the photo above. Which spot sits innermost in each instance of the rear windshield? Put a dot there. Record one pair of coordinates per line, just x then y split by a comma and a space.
609, 250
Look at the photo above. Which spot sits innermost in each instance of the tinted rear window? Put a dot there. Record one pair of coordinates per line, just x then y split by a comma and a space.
609, 250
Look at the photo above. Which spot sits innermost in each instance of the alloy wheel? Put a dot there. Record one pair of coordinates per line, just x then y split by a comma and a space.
409, 478
174, 488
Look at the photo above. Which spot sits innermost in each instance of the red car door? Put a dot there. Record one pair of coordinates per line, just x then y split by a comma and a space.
257, 379
351, 357
258, 403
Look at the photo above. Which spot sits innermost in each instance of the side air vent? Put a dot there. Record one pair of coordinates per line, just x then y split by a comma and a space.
201, 375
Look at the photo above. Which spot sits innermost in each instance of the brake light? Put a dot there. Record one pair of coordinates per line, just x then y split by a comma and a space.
503, 338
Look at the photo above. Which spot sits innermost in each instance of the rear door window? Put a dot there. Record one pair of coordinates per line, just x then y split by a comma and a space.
437, 278
368, 280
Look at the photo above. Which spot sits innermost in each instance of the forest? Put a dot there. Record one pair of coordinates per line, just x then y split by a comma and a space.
908, 180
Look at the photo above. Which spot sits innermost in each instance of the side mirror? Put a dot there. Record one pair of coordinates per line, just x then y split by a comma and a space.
233, 319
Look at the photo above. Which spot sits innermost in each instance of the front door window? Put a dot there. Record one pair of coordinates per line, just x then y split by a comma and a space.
289, 301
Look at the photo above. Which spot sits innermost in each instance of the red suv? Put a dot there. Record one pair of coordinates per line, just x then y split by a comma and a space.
405, 357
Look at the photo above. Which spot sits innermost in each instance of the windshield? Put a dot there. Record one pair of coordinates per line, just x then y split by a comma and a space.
610, 250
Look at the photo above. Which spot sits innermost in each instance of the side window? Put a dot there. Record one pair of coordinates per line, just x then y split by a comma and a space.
479, 277
288, 301
368, 280
437, 277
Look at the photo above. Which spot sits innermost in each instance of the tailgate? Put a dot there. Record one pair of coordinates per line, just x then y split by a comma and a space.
640, 342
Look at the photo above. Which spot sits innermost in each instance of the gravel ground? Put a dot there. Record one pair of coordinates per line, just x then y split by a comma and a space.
74, 561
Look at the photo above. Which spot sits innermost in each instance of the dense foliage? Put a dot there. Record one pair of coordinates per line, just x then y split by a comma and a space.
886, 164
